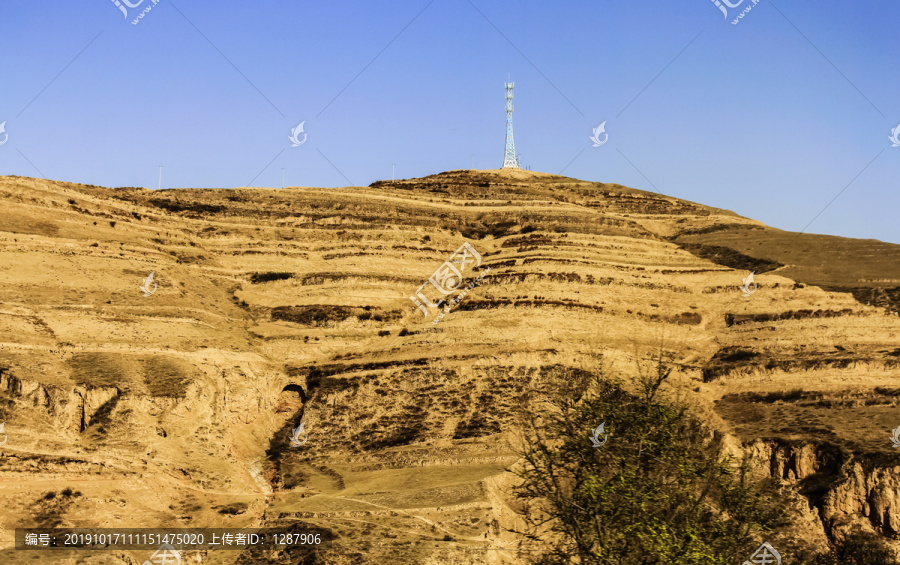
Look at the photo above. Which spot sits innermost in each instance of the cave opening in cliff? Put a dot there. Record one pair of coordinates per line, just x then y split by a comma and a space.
291, 399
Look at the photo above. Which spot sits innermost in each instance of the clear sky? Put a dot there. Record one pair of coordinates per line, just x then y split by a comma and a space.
784, 117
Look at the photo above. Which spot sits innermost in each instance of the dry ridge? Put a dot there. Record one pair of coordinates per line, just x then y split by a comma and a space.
280, 306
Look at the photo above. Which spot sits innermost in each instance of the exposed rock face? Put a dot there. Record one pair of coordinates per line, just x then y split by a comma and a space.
843, 492
276, 307
796, 462
873, 493
69, 410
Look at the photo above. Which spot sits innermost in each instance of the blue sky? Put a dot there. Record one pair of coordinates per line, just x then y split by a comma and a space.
784, 117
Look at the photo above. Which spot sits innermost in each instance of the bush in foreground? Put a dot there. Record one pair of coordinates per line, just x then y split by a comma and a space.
659, 491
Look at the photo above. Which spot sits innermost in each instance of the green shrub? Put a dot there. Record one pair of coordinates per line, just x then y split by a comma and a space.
659, 491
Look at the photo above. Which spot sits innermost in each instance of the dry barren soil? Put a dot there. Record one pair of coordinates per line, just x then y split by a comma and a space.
276, 307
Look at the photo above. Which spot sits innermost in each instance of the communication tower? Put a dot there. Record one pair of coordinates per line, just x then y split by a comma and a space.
509, 158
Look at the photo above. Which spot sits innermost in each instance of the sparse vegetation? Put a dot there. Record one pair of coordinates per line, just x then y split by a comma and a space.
234, 508
258, 278
320, 315
730, 258
314, 315
879, 297
196, 207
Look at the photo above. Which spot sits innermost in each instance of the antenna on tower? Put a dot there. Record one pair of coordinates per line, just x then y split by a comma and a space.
510, 161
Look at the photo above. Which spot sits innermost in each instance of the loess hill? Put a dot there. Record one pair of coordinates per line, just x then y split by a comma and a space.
280, 306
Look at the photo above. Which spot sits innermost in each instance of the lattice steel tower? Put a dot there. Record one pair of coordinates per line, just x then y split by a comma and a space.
509, 158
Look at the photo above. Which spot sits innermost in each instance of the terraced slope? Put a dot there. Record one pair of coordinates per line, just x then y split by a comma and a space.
276, 307
865, 268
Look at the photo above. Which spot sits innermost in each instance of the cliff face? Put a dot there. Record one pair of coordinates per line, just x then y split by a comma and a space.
871, 493
276, 307
843, 491
796, 462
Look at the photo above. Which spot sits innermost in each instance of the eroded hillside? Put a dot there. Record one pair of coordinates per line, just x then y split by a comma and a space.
276, 307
